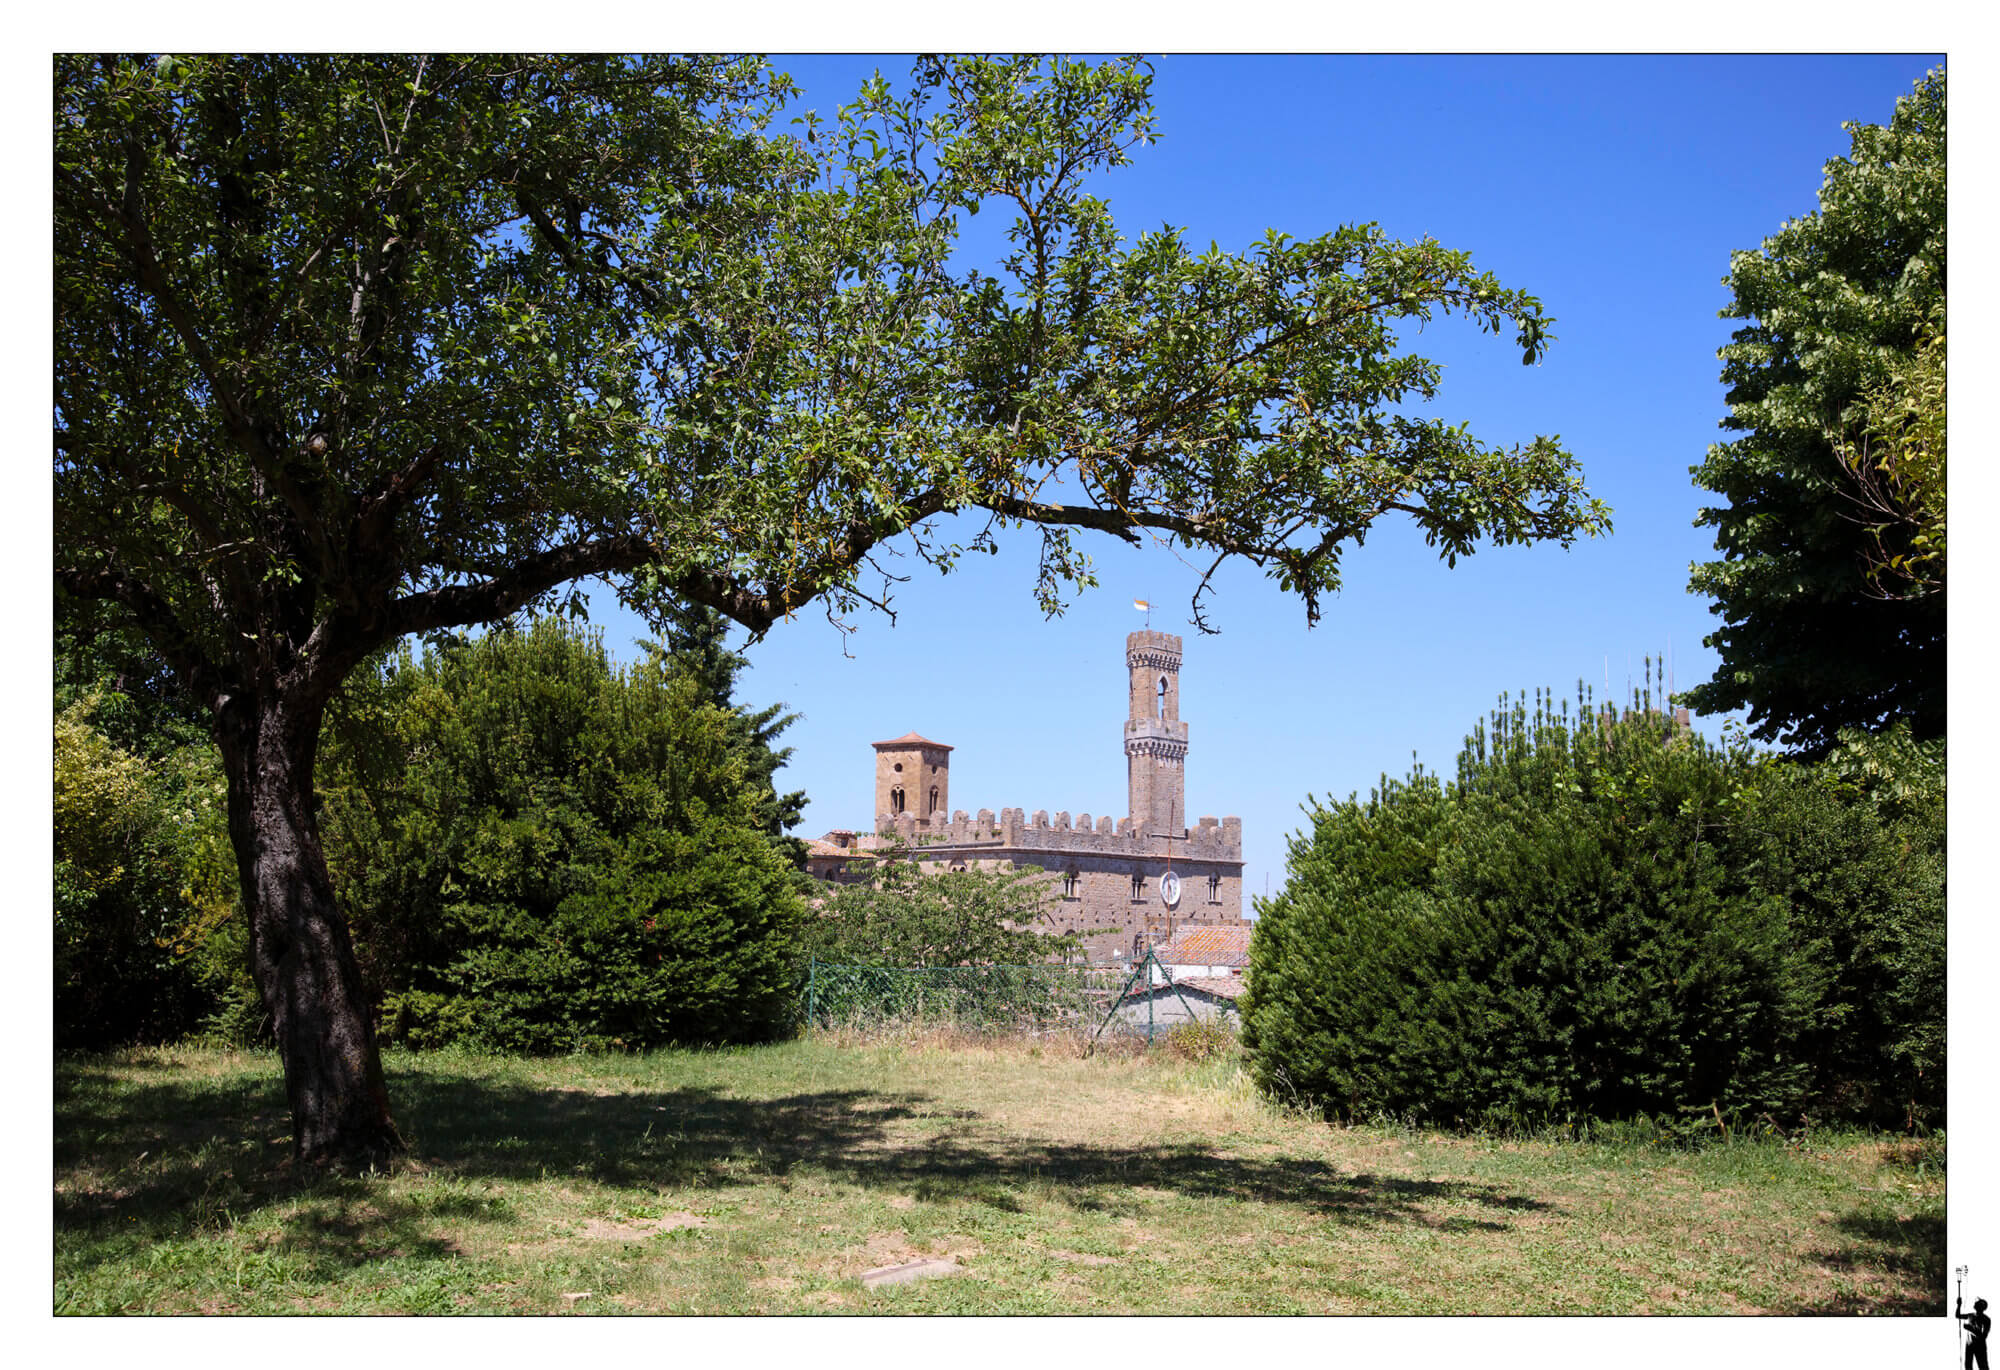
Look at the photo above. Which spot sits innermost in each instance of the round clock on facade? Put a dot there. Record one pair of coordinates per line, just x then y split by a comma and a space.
1170, 889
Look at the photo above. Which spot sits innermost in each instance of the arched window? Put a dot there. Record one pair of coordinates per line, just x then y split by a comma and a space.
896, 800
934, 796
1138, 885
1162, 702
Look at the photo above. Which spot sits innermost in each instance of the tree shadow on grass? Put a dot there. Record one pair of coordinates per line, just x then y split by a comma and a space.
900, 1141
144, 1165
1909, 1250
211, 1150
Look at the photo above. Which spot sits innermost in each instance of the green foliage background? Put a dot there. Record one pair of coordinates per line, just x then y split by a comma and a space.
143, 873
899, 914
537, 851
1605, 918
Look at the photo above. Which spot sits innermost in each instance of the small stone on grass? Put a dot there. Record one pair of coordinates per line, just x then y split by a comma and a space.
909, 1272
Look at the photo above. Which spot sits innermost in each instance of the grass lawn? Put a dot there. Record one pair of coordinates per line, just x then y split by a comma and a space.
767, 1180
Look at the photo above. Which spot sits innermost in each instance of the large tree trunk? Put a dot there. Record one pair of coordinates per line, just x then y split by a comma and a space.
300, 951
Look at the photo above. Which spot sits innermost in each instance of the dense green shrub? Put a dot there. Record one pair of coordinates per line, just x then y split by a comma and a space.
1857, 845
142, 879
1604, 918
1199, 1041
538, 851
688, 938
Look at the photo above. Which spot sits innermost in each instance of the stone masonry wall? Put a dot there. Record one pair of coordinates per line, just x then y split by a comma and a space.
1104, 855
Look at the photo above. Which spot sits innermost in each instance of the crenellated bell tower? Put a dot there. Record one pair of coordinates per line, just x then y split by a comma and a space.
1155, 738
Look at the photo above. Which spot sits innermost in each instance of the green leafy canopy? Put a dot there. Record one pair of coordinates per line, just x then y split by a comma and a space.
538, 850
353, 347
1840, 304
897, 913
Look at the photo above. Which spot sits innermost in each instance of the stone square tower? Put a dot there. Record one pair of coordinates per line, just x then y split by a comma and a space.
1156, 741
913, 775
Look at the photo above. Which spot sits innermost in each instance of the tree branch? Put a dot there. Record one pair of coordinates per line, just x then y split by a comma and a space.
297, 277
155, 617
558, 240
388, 496
139, 248
499, 595
1119, 523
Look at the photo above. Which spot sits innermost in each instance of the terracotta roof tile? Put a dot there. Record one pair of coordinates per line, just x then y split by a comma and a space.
1221, 986
912, 740
1225, 986
1203, 945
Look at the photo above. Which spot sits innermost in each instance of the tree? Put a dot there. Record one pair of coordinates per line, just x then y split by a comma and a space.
141, 880
697, 643
353, 348
1839, 301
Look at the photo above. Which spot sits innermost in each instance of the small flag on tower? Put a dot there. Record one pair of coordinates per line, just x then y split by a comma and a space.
1141, 604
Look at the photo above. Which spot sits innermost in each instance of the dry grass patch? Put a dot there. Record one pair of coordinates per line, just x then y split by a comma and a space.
637, 1229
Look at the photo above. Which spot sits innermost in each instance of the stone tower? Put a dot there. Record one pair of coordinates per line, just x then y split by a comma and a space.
1155, 738
913, 776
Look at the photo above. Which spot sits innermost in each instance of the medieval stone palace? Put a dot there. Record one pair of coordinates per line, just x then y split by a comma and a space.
1144, 876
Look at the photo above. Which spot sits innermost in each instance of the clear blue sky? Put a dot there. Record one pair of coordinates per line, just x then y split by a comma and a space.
1614, 188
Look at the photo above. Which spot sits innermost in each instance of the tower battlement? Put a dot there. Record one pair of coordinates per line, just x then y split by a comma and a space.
1212, 839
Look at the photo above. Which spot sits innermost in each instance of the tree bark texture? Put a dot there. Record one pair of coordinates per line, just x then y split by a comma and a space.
300, 952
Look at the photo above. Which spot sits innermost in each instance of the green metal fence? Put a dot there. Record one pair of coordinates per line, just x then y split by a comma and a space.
1091, 1000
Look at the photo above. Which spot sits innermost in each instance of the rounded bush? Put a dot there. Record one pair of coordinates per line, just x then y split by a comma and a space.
1604, 919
